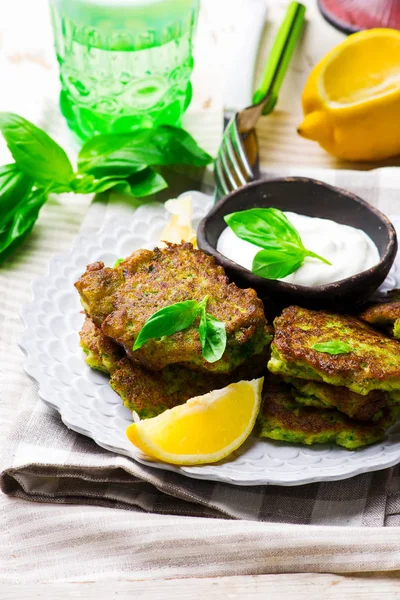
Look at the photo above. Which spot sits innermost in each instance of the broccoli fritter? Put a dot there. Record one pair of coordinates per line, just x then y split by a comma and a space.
281, 418
372, 364
149, 393
102, 353
97, 287
323, 395
120, 300
385, 316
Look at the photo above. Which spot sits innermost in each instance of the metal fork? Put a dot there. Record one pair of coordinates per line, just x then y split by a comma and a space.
237, 161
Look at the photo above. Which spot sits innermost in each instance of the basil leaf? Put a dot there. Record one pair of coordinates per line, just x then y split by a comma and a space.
212, 337
179, 316
14, 186
35, 153
276, 263
130, 152
288, 232
15, 226
108, 154
264, 227
143, 183
333, 347
270, 229
167, 321
175, 146
118, 262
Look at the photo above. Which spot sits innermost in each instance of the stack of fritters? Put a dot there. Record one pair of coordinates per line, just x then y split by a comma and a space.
309, 396
283, 418
349, 398
149, 393
168, 371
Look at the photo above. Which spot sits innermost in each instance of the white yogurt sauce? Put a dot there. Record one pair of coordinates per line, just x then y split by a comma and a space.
350, 250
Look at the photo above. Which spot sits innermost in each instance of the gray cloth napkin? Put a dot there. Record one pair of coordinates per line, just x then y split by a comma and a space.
46, 462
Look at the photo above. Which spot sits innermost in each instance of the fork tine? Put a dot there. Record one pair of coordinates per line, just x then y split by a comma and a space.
220, 179
227, 170
233, 160
238, 147
232, 168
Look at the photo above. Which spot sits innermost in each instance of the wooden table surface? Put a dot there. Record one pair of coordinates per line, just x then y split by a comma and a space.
303, 586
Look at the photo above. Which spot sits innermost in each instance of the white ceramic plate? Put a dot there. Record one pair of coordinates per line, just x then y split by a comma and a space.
89, 406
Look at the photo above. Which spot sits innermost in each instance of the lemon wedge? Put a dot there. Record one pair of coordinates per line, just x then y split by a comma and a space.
203, 430
179, 227
351, 101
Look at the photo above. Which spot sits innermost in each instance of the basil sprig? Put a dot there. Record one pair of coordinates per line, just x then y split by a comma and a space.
180, 316
282, 251
333, 347
36, 154
120, 162
128, 153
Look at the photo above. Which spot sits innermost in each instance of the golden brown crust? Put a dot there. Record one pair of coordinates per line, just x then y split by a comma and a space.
381, 314
373, 363
356, 406
122, 299
148, 392
282, 419
96, 288
102, 352
151, 392
384, 316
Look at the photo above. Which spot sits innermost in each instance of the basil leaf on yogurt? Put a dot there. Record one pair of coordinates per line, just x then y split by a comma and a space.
282, 250
276, 263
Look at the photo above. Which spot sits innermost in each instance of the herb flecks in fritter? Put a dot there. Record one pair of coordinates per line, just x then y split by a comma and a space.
149, 393
282, 419
323, 395
373, 363
102, 353
121, 300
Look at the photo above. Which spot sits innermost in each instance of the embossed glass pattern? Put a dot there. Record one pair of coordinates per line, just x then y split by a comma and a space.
123, 64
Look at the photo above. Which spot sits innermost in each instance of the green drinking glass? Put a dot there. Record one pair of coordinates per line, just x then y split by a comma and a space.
124, 64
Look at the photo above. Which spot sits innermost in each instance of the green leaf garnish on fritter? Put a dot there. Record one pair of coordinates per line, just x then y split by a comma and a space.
179, 316
333, 347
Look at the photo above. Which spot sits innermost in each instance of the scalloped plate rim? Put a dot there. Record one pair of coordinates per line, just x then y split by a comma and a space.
287, 478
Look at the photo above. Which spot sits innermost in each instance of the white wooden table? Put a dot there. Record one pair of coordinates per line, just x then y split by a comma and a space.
305, 586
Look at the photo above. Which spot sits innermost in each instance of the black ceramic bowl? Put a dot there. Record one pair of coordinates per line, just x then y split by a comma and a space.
316, 199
